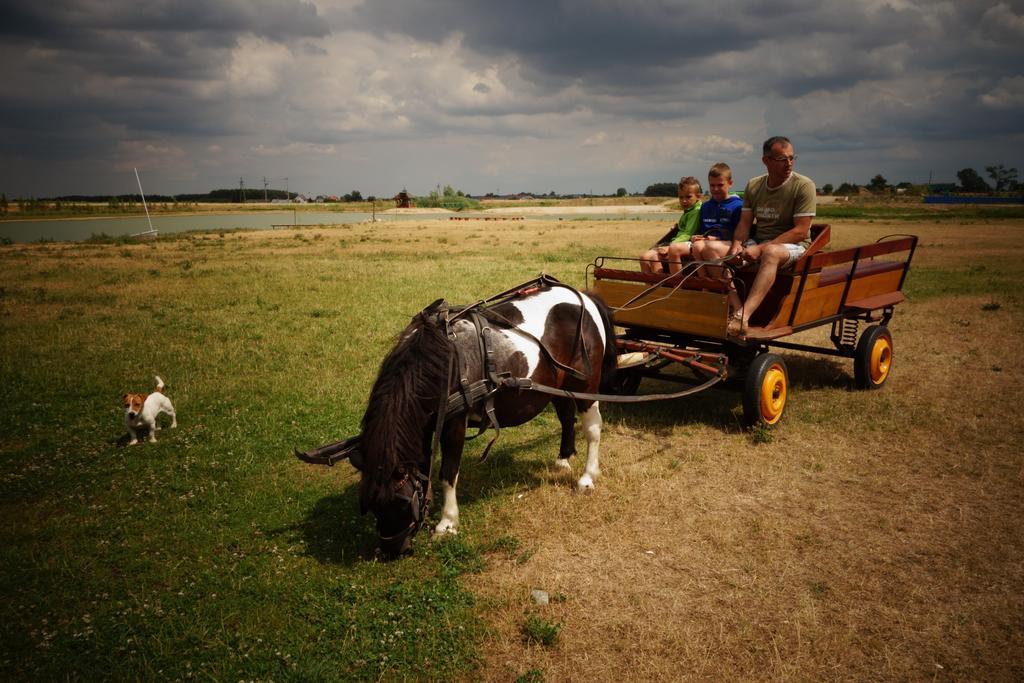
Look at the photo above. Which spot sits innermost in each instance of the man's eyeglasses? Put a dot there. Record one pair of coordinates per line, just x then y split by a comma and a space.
782, 159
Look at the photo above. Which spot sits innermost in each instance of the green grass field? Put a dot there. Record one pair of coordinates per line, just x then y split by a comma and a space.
213, 554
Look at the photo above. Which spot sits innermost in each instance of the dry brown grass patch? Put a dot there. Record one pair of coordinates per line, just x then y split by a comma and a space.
875, 537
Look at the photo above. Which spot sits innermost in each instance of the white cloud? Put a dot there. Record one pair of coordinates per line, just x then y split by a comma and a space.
293, 149
147, 156
1001, 23
257, 67
1009, 94
704, 148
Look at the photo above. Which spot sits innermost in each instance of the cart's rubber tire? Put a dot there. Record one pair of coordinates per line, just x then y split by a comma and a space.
765, 391
626, 382
872, 361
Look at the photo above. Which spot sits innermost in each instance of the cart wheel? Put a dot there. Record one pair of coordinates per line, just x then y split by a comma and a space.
765, 390
872, 361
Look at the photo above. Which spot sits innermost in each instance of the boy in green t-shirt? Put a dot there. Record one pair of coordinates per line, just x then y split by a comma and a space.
675, 245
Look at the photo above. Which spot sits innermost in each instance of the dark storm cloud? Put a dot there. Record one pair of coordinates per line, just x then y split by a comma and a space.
655, 56
625, 46
151, 55
181, 39
84, 78
273, 19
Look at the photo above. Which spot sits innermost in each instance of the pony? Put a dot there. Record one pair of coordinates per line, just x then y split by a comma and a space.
480, 365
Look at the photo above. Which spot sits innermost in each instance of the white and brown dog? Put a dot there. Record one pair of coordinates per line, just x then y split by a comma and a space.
141, 410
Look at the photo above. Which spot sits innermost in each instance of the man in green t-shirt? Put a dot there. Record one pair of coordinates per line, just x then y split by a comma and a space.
783, 202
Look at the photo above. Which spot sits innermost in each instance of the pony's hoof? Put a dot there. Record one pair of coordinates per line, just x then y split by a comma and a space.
446, 527
586, 484
563, 464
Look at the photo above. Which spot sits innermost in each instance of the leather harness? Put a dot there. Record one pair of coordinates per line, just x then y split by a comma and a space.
469, 395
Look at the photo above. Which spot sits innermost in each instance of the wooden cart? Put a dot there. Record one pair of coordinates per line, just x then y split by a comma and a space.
682, 318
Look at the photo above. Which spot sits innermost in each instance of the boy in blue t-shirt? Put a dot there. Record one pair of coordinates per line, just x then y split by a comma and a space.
719, 216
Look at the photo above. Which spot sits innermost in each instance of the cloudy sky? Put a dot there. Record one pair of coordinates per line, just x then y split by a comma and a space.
563, 95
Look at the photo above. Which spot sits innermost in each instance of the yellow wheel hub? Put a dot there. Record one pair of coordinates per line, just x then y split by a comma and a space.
881, 360
773, 394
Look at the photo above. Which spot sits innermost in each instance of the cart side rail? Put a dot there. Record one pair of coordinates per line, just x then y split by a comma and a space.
686, 279
850, 281
893, 246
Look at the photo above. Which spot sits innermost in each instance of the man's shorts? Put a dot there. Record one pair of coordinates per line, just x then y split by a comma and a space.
795, 251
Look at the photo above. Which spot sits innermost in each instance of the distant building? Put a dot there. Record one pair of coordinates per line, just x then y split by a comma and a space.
403, 200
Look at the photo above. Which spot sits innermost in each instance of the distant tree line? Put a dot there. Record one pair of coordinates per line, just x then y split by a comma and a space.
1004, 180
662, 190
448, 198
227, 196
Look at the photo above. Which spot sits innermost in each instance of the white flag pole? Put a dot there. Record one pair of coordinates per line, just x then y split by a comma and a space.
141, 194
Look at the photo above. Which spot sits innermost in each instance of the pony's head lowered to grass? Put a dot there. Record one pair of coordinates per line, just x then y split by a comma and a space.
397, 429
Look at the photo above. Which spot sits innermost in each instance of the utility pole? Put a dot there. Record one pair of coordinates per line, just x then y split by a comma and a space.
264, 189
241, 189
286, 194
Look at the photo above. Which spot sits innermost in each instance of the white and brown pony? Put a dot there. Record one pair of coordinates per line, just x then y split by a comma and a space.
458, 367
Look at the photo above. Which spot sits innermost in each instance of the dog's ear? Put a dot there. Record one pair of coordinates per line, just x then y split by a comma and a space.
124, 398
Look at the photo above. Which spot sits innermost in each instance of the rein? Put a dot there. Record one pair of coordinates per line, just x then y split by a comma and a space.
469, 395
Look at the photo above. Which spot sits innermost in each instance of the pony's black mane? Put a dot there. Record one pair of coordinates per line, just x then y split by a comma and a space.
406, 395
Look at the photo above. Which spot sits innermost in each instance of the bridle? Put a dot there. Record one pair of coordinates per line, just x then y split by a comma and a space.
414, 488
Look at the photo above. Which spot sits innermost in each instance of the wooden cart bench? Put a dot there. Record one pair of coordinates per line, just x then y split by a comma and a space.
820, 286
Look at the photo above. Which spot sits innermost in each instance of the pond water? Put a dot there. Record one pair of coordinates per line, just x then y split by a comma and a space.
75, 230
